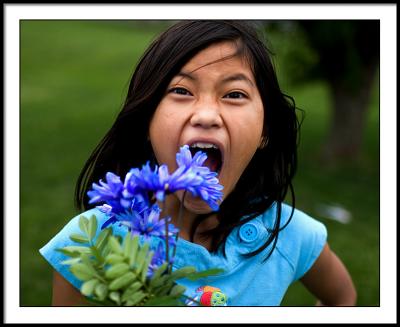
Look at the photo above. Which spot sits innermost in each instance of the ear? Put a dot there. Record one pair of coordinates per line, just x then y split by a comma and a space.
263, 142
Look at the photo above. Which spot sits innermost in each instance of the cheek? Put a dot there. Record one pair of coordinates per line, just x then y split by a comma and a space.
249, 130
163, 133
247, 139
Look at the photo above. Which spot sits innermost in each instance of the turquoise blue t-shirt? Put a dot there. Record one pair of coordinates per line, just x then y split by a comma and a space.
245, 281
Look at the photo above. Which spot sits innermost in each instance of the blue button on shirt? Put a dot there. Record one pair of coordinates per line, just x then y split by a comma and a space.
249, 232
245, 281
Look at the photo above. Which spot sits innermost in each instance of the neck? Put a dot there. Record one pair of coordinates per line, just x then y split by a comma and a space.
183, 219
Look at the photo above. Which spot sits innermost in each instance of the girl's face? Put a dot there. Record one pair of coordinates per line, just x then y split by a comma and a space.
210, 103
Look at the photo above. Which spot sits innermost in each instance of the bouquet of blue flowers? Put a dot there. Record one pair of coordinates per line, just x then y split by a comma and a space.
134, 270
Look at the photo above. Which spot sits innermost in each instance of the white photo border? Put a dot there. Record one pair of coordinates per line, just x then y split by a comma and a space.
385, 313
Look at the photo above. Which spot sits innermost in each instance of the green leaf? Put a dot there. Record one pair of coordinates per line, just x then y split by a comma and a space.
88, 287
78, 238
72, 254
145, 267
160, 270
115, 245
101, 240
84, 225
96, 253
133, 250
74, 251
177, 290
117, 270
155, 279
116, 297
130, 290
101, 291
88, 263
71, 261
135, 298
106, 250
164, 288
82, 271
205, 273
141, 257
157, 282
163, 301
92, 227
113, 258
182, 273
127, 244
122, 281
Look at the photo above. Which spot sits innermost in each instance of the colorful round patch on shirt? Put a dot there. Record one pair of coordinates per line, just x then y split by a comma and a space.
211, 296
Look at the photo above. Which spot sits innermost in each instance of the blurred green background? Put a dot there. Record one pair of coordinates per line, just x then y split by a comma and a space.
74, 77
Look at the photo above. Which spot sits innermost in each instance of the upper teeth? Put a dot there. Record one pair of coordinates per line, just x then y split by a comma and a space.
203, 145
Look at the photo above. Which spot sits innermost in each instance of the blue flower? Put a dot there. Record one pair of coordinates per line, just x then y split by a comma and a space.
110, 192
206, 184
105, 208
148, 180
190, 176
106, 191
128, 203
209, 190
141, 181
184, 158
134, 207
148, 224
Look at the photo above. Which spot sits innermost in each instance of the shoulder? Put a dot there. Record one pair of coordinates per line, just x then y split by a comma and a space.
298, 219
62, 239
72, 226
302, 238
293, 220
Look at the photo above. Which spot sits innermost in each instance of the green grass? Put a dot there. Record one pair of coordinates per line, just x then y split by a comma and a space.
354, 186
74, 76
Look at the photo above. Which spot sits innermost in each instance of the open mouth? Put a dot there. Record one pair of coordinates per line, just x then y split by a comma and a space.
214, 155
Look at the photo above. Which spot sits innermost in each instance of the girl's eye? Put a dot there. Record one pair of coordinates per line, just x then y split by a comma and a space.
180, 91
235, 95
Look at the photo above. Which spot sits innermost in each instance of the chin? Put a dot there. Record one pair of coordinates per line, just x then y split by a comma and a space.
196, 205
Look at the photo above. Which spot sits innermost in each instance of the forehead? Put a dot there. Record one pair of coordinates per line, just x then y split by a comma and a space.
222, 55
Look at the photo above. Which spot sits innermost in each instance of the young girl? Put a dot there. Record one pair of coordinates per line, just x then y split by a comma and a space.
211, 85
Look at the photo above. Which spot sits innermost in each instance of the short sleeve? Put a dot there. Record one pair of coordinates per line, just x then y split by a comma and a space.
301, 241
312, 242
61, 239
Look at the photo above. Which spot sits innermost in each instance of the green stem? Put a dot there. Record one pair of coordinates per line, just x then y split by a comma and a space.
178, 227
166, 234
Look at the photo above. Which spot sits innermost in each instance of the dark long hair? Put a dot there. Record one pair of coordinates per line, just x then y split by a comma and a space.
268, 177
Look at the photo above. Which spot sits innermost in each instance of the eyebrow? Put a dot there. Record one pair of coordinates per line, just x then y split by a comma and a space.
237, 77
186, 75
230, 78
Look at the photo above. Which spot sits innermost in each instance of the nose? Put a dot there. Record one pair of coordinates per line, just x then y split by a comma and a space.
206, 115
